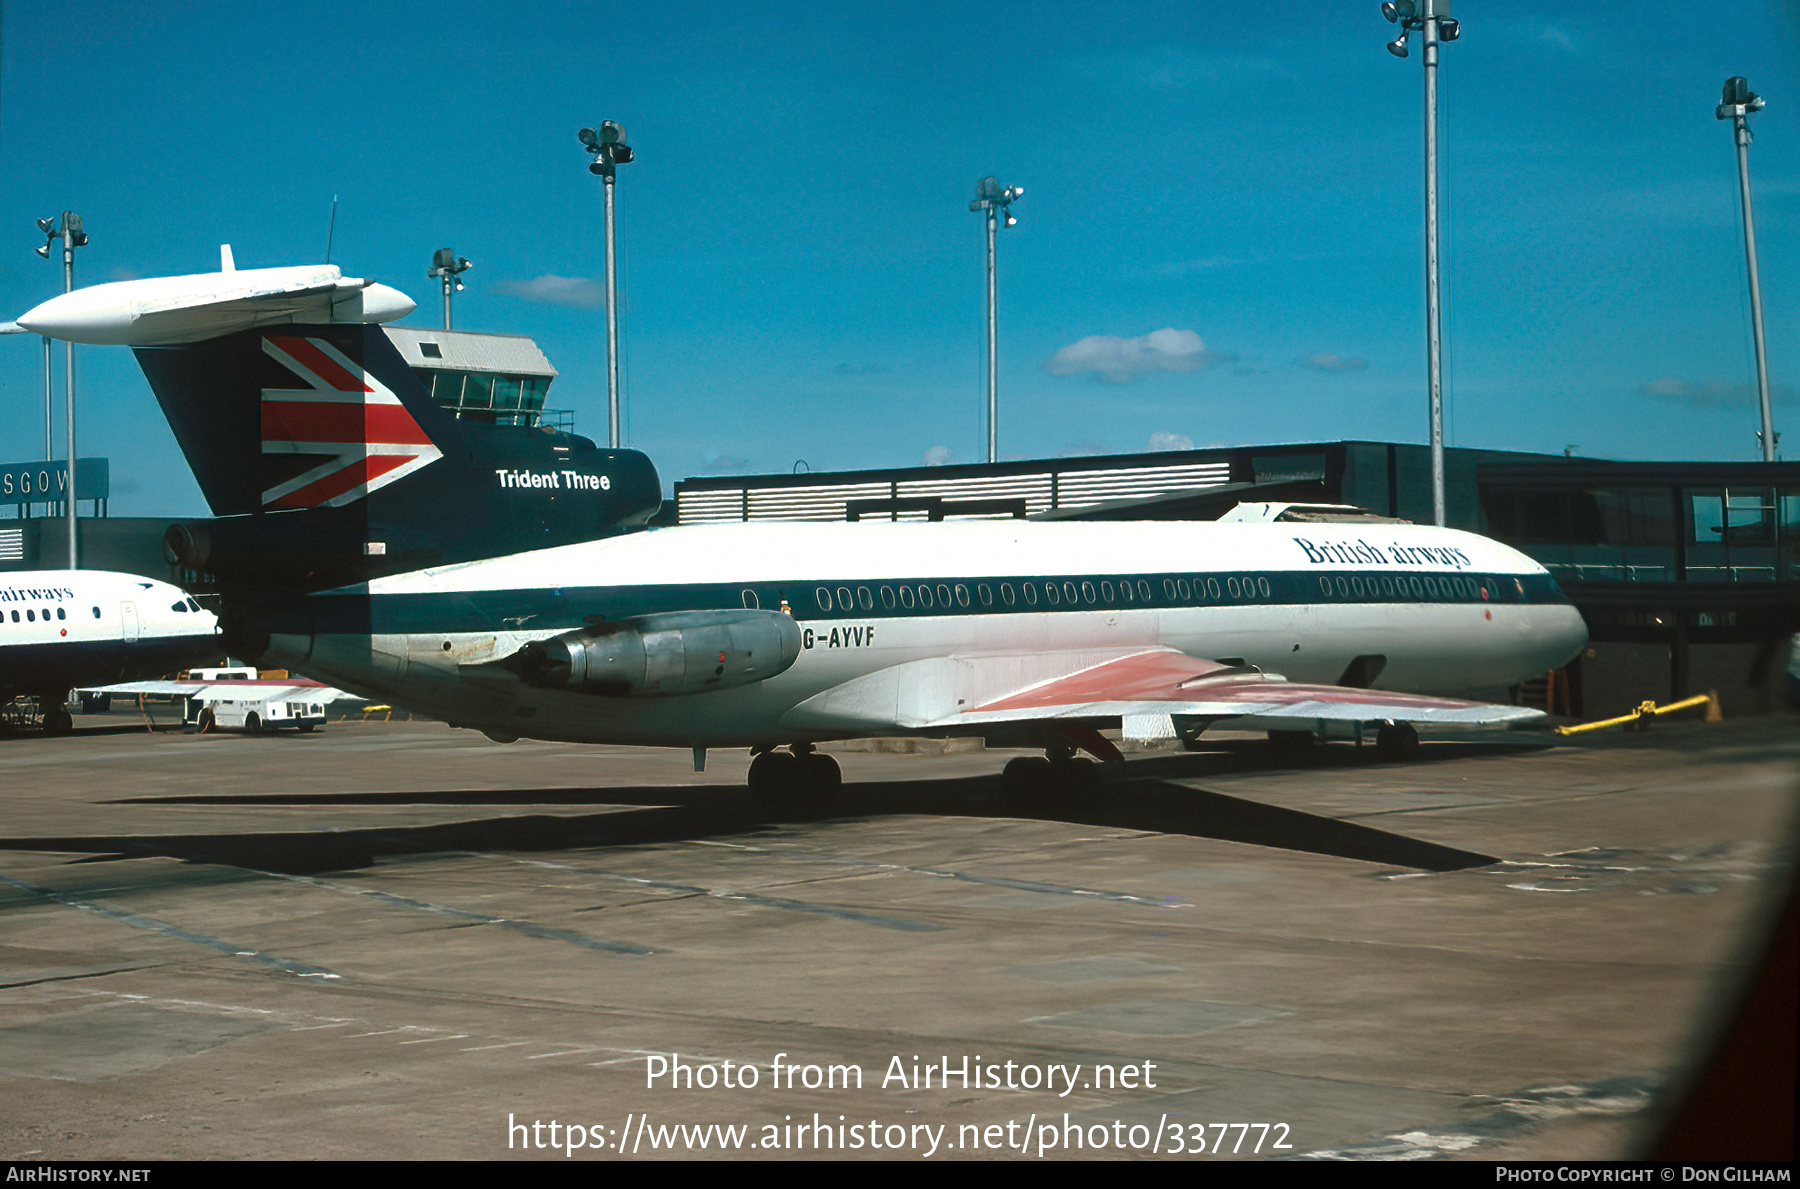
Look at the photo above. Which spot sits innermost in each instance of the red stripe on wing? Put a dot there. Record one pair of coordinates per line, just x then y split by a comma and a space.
1174, 677
1146, 677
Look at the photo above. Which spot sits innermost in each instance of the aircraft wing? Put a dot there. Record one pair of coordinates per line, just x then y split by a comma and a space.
964, 691
203, 690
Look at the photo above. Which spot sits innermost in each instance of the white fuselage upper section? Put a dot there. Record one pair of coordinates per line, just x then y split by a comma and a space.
64, 628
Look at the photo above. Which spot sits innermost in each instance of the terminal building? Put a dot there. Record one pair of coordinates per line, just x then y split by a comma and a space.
1688, 574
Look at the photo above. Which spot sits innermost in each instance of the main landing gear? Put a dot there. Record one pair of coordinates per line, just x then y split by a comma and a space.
1059, 770
1397, 741
54, 712
797, 773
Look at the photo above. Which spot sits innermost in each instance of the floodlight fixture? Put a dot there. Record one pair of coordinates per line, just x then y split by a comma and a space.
609, 151
1736, 101
72, 236
994, 201
1432, 20
446, 264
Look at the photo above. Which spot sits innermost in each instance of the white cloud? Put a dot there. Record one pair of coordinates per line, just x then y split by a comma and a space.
937, 456
1715, 394
1325, 361
1120, 360
1170, 441
582, 293
714, 461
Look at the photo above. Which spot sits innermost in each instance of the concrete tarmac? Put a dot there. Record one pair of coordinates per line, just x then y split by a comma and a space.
395, 940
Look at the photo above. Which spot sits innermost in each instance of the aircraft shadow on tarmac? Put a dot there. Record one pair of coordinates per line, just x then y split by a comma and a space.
1141, 797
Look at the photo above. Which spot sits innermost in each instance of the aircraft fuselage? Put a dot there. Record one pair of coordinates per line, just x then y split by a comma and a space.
1448, 612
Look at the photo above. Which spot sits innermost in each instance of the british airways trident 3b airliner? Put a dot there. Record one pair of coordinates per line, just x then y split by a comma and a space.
342, 541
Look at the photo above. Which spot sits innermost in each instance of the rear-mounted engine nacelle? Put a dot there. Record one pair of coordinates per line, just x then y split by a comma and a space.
678, 652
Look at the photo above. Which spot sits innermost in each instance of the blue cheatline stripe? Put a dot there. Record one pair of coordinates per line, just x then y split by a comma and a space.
177, 932
817, 598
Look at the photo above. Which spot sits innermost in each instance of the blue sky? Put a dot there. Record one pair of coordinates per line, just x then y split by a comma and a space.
803, 278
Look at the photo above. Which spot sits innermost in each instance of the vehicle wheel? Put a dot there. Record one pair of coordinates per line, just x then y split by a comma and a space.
305, 728
253, 725
1398, 741
774, 775
206, 722
1026, 774
57, 721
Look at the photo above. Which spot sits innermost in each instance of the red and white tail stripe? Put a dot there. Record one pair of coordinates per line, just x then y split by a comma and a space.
345, 412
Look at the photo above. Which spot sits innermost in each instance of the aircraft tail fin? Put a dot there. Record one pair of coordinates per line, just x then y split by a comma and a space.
320, 442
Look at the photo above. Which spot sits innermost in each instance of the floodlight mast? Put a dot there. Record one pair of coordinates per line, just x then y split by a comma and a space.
610, 151
446, 264
72, 237
1432, 19
995, 201
1737, 102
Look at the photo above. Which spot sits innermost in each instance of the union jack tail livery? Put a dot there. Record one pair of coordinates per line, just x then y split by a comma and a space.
344, 412
325, 461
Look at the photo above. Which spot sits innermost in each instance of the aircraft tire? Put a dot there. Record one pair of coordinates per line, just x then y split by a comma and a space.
1292, 740
57, 721
820, 776
1075, 777
1026, 774
1397, 742
775, 775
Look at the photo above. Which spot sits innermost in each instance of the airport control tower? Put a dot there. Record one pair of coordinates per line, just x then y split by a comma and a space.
496, 379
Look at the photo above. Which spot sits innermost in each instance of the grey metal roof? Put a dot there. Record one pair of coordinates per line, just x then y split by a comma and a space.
508, 354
